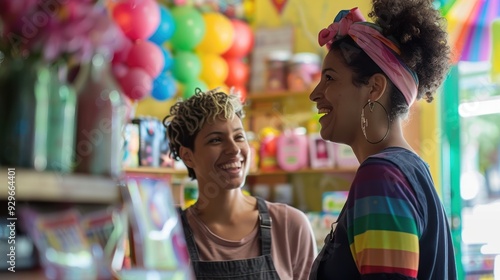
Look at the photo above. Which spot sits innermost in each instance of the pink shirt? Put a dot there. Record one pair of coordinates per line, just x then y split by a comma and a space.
293, 246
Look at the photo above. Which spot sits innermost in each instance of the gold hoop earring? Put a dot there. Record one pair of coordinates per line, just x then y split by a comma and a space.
364, 120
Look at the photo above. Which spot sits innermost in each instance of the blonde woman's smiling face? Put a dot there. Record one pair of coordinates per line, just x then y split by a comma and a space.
221, 153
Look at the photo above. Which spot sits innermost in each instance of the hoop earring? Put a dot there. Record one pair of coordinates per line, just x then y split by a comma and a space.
364, 121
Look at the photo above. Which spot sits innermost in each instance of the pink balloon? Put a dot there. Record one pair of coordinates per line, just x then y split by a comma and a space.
138, 19
122, 54
148, 56
135, 83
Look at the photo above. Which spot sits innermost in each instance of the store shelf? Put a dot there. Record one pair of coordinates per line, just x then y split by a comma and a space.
31, 185
303, 171
155, 170
160, 170
269, 96
24, 275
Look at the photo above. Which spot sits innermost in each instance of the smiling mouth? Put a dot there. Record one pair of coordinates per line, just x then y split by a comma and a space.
324, 111
232, 165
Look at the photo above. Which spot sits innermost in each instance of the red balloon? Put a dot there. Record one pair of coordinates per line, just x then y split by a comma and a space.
238, 72
138, 19
135, 83
148, 56
242, 42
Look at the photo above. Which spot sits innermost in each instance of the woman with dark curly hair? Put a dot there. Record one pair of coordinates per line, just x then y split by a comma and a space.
393, 225
230, 235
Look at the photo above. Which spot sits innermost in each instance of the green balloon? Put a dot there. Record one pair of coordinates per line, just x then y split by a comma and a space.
186, 66
190, 87
189, 28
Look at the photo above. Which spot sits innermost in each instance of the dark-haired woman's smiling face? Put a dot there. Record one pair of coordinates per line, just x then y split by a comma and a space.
339, 100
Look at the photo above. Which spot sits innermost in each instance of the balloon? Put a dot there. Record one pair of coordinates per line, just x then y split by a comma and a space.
168, 58
164, 87
135, 83
219, 34
214, 68
219, 86
166, 27
243, 40
190, 87
121, 54
138, 19
148, 56
238, 72
186, 66
189, 28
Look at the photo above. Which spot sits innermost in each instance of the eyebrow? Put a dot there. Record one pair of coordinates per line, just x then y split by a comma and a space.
327, 69
238, 129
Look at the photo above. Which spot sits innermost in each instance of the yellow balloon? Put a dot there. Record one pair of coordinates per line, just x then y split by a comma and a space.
220, 87
219, 34
214, 68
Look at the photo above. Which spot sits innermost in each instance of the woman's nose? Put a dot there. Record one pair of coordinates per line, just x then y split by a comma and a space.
315, 94
232, 148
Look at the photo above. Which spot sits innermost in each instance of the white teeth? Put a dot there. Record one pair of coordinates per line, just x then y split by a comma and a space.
324, 111
231, 165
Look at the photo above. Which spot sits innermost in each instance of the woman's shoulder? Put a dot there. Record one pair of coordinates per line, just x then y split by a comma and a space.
285, 212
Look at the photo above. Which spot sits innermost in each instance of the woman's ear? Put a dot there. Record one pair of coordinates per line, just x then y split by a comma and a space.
378, 83
186, 156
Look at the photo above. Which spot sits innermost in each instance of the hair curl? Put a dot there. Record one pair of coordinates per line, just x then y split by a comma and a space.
418, 28
187, 118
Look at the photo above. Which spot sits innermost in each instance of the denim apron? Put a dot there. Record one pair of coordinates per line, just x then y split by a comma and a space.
261, 267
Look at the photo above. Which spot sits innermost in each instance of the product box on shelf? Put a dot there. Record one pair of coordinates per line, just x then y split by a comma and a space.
131, 145
151, 135
321, 153
344, 156
333, 201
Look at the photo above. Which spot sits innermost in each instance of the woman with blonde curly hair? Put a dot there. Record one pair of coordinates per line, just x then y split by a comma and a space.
231, 235
393, 225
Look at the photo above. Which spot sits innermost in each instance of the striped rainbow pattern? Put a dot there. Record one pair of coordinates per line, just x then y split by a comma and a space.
382, 226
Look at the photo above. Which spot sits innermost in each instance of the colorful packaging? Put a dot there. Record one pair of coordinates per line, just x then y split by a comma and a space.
292, 152
334, 201
158, 236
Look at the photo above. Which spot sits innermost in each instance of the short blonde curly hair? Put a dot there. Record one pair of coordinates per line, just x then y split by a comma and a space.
187, 118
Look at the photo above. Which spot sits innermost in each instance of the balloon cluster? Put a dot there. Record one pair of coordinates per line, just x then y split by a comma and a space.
207, 50
142, 66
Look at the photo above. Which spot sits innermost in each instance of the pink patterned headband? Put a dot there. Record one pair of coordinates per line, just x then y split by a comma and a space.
382, 50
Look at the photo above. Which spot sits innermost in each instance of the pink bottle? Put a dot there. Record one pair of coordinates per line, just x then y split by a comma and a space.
292, 149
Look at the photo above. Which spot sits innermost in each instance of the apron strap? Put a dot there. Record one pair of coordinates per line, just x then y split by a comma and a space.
265, 227
191, 244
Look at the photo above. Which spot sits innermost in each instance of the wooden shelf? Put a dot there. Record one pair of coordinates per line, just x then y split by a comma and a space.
304, 171
32, 185
35, 274
265, 96
155, 170
163, 170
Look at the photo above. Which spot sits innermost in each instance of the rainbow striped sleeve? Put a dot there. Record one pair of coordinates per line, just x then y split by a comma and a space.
383, 224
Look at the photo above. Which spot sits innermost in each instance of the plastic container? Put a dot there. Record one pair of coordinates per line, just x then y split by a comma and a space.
276, 68
304, 71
